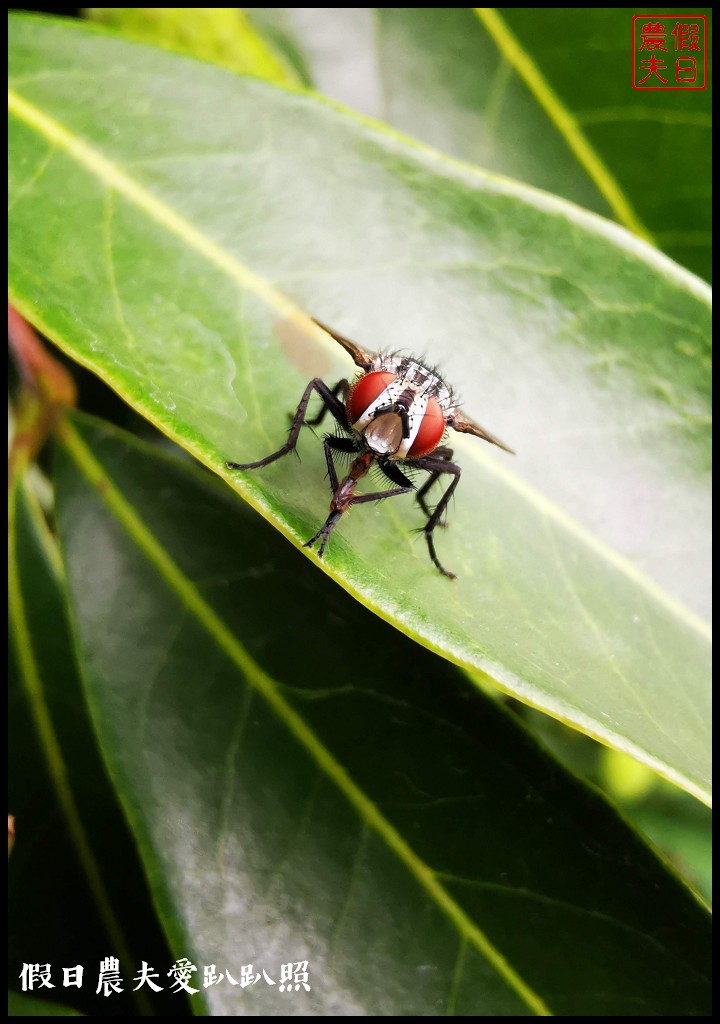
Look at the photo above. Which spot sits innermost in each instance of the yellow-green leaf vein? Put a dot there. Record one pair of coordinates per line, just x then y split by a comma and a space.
267, 687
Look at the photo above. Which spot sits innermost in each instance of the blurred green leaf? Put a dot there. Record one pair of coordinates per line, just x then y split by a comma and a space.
29, 1006
683, 830
679, 825
625, 778
541, 94
307, 784
220, 34
76, 890
155, 214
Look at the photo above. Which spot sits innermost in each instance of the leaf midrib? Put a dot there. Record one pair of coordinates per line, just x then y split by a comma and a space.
269, 689
117, 179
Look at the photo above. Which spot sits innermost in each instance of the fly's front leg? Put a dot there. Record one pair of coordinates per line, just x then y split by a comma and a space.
446, 455
341, 388
437, 467
380, 495
337, 444
331, 404
323, 534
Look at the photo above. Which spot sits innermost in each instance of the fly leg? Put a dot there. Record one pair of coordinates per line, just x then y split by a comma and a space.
341, 388
331, 403
344, 491
380, 495
396, 476
446, 455
323, 534
338, 444
436, 467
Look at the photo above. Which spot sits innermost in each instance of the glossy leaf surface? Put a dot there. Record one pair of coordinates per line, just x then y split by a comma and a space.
541, 94
192, 202
76, 889
301, 794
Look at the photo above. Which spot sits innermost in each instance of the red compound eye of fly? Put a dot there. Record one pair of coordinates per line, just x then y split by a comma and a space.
365, 391
431, 431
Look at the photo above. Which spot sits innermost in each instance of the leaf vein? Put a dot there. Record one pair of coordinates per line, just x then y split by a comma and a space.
367, 810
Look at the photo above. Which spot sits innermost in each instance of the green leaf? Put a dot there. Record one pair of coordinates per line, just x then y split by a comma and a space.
158, 221
684, 833
220, 34
29, 1006
541, 94
76, 889
307, 784
614, 130
673, 820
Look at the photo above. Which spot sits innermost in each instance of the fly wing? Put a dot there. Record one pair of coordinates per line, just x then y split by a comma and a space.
364, 359
463, 425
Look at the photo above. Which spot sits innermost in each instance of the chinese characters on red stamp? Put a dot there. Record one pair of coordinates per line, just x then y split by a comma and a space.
669, 51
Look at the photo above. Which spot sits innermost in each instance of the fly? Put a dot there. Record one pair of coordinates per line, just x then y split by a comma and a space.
394, 415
